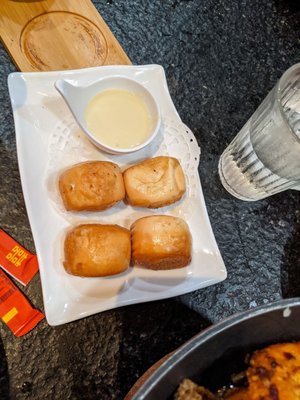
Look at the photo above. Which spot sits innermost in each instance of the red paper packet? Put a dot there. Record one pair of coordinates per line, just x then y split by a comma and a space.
17, 261
15, 310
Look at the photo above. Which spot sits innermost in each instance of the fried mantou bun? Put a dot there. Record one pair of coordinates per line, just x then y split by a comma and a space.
155, 182
160, 242
91, 186
97, 250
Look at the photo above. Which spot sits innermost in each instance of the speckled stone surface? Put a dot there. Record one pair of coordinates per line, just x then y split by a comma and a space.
221, 58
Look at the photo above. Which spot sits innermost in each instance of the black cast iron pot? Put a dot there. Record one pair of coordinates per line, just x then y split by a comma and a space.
211, 357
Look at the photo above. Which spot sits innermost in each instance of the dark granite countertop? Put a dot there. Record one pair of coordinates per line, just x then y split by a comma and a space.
221, 58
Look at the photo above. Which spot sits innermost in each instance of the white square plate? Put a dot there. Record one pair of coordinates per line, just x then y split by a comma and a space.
48, 140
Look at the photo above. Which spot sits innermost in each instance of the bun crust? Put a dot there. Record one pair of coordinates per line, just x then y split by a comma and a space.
161, 242
153, 183
97, 250
91, 186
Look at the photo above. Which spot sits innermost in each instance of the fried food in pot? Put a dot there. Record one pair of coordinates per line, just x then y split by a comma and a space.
273, 374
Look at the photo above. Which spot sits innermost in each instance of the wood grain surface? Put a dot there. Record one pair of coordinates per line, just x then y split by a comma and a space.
50, 35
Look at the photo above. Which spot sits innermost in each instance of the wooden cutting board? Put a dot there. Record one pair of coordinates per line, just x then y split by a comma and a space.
45, 35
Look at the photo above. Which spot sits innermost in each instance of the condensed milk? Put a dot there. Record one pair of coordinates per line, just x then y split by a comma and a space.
119, 118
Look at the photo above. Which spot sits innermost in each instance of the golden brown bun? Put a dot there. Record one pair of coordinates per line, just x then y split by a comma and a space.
161, 242
97, 250
91, 186
154, 183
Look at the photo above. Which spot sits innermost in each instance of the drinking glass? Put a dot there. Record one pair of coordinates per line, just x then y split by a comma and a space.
264, 157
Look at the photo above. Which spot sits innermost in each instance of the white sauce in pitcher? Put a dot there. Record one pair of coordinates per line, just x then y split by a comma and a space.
119, 118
